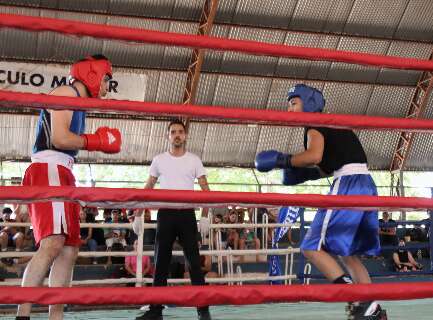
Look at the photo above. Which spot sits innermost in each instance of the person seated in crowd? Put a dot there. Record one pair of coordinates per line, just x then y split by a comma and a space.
86, 234
22, 215
233, 233
115, 237
130, 235
10, 236
247, 237
177, 264
426, 223
403, 259
218, 218
205, 263
148, 234
131, 266
98, 234
417, 234
91, 211
123, 216
387, 230
260, 213
272, 218
248, 240
107, 215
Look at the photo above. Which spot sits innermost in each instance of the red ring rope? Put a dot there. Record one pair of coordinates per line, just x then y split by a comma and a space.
217, 295
206, 42
128, 197
213, 295
268, 117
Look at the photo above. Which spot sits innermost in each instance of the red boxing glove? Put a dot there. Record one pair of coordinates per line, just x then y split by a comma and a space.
107, 140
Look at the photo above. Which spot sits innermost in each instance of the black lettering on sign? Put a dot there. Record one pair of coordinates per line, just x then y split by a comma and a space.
58, 82
23, 79
37, 79
17, 77
112, 87
2, 72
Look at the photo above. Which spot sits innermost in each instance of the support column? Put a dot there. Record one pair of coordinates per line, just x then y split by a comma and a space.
196, 61
416, 108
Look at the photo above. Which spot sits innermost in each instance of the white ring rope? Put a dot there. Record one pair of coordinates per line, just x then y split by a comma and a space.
222, 253
219, 253
127, 225
170, 281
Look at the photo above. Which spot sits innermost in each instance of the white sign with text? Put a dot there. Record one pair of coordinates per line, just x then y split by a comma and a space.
40, 78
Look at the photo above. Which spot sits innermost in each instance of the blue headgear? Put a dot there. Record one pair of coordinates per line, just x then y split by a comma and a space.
312, 98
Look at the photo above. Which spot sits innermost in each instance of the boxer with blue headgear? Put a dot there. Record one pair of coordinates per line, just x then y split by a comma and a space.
312, 99
340, 232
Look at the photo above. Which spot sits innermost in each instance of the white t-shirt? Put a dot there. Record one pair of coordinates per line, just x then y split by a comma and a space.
177, 172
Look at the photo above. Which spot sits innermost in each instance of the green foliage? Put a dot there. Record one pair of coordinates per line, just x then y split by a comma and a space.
417, 184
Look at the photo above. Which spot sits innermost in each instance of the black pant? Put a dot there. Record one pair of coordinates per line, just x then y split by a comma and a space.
172, 223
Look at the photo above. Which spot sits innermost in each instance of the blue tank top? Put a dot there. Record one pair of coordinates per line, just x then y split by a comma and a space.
43, 130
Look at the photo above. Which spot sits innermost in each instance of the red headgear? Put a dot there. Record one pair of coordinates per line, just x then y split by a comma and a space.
91, 72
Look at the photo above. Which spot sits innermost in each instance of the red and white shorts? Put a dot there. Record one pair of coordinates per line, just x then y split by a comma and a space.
50, 218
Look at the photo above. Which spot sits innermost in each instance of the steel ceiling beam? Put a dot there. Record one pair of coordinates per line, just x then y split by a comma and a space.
196, 61
416, 108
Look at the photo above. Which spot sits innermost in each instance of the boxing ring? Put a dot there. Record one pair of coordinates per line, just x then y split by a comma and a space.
281, 301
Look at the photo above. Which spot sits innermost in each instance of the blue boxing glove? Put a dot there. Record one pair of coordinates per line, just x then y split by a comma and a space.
294, 176
271, 159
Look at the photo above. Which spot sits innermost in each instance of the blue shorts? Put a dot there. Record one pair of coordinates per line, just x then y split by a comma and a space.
346, 232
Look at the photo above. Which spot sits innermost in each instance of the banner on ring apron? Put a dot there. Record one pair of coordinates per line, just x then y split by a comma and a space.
287, 215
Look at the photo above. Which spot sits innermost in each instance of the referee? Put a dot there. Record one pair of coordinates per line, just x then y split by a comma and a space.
176, 169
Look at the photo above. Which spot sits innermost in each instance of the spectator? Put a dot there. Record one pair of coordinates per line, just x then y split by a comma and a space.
218, 218
98, 234
10, 236
130, 235
403, 259
124, 216
116, 236
107, 215
91, 210
272, 218
205, 263
417, 234
177, 264
131, 265
387, 230
260, 213
148, 234
22, 215
86, 234
248, 239
233, 234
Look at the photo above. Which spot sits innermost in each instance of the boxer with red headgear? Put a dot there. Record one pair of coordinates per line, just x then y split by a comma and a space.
59, 136
91, 72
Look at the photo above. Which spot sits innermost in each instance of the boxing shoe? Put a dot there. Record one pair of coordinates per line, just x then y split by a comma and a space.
203, 313
154, 313
365, 311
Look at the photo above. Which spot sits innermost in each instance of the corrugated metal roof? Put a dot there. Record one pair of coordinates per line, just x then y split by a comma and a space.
59, 48
233, 79
408, 19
